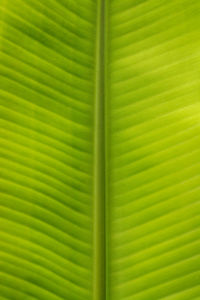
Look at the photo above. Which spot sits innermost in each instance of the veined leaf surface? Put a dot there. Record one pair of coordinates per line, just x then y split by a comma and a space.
47, 99
100, 136
154, 180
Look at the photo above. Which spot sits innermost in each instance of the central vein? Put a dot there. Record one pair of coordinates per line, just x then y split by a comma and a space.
99, 286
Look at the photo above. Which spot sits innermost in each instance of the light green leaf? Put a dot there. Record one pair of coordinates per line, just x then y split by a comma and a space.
154, 174
47, 103
100, 149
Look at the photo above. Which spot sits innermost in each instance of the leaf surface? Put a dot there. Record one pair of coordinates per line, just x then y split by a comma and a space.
154, 139
100, 157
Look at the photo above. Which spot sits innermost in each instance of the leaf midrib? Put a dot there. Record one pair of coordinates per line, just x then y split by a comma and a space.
99, 277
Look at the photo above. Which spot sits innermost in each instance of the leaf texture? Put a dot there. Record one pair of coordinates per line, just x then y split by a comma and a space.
154, 159
47, 99
100, 149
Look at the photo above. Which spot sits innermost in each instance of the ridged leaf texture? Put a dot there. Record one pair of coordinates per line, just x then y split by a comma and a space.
100, 150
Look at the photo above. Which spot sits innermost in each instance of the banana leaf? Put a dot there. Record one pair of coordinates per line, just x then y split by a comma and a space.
99, 149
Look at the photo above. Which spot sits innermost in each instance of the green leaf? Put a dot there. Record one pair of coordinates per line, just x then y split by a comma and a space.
154, 174
47, 103
100, 137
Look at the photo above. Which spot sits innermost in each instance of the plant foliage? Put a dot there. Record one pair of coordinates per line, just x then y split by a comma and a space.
100, 149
